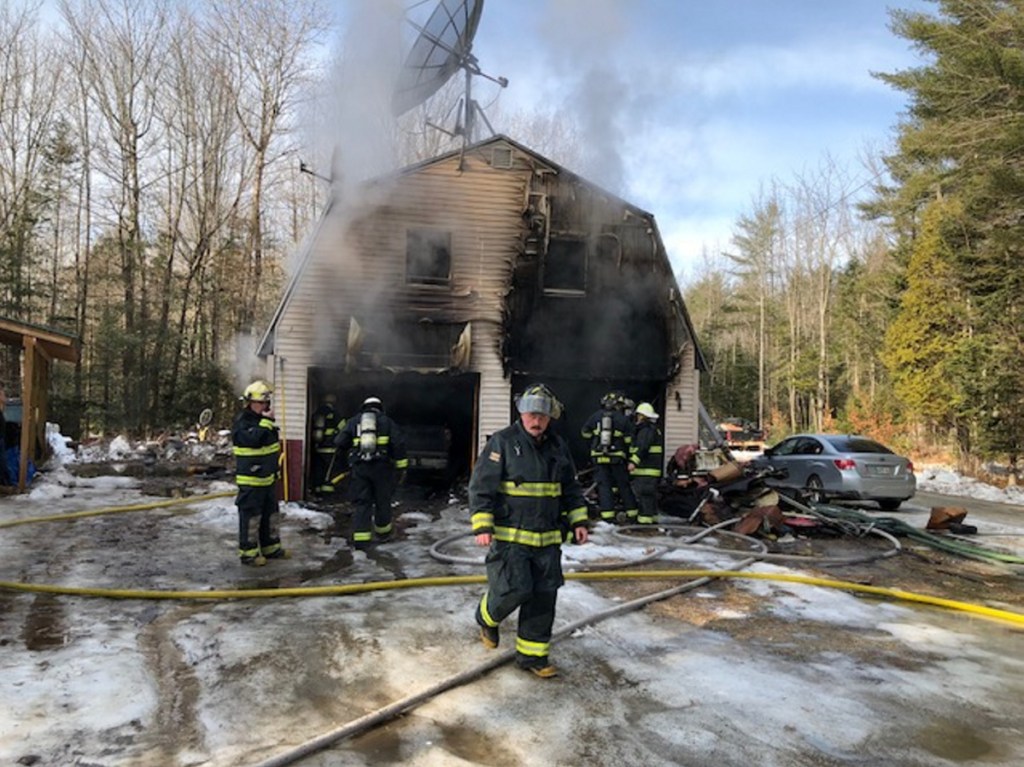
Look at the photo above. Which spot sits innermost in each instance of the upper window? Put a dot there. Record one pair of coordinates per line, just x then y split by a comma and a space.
565, 267
428, 257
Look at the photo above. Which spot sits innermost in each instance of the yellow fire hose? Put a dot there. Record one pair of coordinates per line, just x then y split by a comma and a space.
284, 434
342, 589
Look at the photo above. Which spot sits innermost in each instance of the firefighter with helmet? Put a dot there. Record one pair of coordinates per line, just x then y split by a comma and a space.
646, 458
523, 495
257, 448
376, 451
611, 436
324, 425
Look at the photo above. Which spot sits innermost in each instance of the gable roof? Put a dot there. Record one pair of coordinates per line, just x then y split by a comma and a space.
266, 345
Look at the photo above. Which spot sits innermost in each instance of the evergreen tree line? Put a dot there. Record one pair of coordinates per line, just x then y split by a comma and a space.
899, 316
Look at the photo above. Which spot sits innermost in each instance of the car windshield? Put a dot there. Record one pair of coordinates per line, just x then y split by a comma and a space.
844, 444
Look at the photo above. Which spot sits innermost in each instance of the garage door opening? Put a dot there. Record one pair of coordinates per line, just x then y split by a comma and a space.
435, 412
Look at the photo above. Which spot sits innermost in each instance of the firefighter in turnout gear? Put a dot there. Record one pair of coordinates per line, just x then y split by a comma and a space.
646, 457
257, 449
376, 452
523, 494
324, 426
611, 436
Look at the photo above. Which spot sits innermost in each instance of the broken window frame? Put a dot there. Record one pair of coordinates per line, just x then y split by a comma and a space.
577, 251
428, 256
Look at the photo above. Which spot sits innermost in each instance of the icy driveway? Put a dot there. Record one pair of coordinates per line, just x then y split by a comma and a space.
764, 674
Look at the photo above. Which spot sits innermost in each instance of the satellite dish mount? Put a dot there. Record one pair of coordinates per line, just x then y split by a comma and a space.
443, 46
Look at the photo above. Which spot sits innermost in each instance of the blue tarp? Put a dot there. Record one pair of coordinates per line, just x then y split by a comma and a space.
13, 458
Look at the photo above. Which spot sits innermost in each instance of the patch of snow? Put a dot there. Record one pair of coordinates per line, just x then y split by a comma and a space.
944, 480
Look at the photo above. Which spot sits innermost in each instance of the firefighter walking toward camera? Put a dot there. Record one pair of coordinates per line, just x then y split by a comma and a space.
646, 457
257, 448
324, 429
611, 436
523, 495
376, 454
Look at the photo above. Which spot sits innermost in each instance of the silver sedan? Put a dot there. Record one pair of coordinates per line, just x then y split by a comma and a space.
841, 466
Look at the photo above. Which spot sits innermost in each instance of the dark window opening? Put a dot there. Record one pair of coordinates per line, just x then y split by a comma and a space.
565, 267
428, 257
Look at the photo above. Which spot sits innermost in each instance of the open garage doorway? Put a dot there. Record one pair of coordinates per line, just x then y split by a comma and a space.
435, 411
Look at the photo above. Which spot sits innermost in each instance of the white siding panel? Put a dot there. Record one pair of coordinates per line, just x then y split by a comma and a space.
494, 387
681, 406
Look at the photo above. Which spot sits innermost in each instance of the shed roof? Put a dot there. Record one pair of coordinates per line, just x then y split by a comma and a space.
54, 343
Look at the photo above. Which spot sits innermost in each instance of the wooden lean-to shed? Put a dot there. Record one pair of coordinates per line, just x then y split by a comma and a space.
38, 346
448, 287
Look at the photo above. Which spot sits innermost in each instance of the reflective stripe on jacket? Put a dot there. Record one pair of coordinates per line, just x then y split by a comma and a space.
525, 492
621, 437
257, 448
647, 453
390, 442
326, 421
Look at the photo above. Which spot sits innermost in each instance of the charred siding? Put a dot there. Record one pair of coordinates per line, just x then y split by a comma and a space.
614, 323
530, 273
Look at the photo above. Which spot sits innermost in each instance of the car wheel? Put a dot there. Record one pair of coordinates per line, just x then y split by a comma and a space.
889, 504
814, 490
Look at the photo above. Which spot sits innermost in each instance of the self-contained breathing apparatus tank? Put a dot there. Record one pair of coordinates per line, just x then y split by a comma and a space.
605, 432
605, 435
367, 431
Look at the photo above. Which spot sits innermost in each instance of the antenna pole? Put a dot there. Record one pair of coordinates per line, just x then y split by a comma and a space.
470, 113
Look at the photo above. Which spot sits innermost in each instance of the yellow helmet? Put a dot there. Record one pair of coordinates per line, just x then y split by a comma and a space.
258, 391
646, 409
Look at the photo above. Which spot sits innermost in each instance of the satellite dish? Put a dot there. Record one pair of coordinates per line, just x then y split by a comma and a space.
443, 46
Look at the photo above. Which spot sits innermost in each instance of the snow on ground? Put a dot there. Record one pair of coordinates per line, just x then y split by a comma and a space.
828, 678
944, 480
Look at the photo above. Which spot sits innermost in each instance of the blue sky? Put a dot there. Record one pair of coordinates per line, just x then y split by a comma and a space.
691, 106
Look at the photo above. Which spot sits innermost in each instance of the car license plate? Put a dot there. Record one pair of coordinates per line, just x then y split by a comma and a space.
880, 470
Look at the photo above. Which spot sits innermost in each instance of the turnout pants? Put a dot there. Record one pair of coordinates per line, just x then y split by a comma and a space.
611, 477
372, 487
258, 521
646, 489
528, 578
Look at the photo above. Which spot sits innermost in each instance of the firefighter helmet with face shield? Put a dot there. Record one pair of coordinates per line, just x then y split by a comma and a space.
646, 409
538, 398
258, 391
373, 403
610, 400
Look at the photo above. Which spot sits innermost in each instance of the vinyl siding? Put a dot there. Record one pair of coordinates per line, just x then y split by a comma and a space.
681, 405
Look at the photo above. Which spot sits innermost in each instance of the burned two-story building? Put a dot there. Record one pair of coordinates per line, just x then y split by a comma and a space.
448, 287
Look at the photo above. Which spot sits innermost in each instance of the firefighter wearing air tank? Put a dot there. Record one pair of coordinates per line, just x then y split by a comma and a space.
611, 436
646, 457
523, 495
376, 452
257, 449
324, 429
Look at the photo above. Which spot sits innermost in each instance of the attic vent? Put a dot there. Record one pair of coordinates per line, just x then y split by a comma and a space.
501, 157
